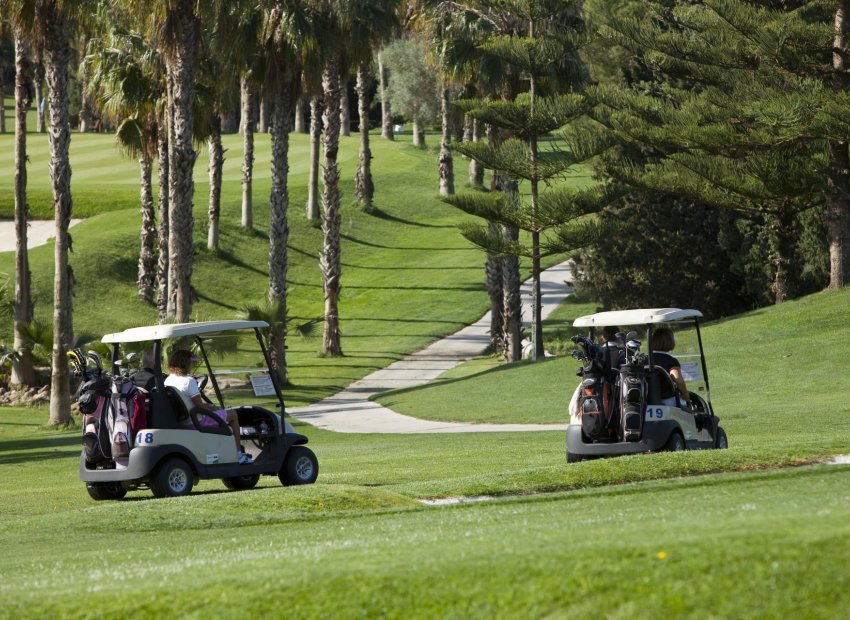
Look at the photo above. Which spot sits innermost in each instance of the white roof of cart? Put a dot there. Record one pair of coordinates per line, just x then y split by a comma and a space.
642, 316
178, 330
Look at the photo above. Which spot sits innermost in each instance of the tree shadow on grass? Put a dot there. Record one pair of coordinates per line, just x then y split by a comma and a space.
35, 449
383, 215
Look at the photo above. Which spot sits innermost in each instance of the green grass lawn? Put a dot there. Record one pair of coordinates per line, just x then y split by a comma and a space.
358, 544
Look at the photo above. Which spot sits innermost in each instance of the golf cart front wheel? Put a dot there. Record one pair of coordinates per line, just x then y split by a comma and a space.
675, 443
105, 490
241, 483
720, 440
299, 467
174, 478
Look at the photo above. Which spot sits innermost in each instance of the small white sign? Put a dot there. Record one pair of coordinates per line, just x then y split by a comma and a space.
691, 371
212, 459
262, 385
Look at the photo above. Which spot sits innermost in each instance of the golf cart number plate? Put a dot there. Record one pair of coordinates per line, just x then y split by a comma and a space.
654, 413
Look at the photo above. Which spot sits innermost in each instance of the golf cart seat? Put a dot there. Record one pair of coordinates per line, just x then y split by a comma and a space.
661, 388
187, 415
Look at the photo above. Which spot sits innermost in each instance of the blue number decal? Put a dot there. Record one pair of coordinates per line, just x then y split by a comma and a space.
139, 438
148, 437
656, 413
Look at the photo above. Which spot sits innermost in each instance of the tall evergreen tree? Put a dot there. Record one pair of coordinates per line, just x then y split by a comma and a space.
546, 56
723, 122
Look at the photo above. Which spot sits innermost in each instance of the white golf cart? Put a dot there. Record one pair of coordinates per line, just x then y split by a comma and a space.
626, 403
172, 449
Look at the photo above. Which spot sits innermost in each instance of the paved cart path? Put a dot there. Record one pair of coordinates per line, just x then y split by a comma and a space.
351, 411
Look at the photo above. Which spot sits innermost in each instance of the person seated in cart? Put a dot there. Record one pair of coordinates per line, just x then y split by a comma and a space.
180, 378
663, 341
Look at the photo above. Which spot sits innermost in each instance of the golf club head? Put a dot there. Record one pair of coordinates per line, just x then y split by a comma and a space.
78, 361
94, 357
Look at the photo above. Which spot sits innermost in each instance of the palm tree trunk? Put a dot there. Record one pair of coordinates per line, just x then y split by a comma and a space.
313, 174
2, 98
263, 115
56, 59
38, 82
249, 95
364, 189
476, 170
838, 165
279, 226
181, 68
330, 261
162, 270
147, 234
23, 372
216, 168
444, 159
344, 110
494, 282
300, 115
386, 109
418, 133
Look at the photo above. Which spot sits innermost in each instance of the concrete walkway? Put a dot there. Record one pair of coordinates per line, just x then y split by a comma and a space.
351, 411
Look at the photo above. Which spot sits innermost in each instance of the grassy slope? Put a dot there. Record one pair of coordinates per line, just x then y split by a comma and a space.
408, 275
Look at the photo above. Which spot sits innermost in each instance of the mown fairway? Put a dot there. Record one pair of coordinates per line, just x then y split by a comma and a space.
356, 544
726, 534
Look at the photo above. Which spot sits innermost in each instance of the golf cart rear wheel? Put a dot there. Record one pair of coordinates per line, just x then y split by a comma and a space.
174, 478
299, 467
675, 443
720, 440
574, 458
241, 483
105, 490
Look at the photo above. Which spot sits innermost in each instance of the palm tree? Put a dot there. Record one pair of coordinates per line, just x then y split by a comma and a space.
248, 99
312, 207
377, 22
23, 372
285, 27
46, 26
125, 78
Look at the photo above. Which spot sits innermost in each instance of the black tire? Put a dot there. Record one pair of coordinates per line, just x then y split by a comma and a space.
174, 478
241, 483
100, 491
299, 467
574, 458
721, 442
675, 443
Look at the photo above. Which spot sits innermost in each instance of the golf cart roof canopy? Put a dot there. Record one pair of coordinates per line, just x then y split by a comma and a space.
641, 316
178, 330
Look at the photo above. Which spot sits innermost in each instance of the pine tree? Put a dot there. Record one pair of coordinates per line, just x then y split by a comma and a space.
545, 55
738, 114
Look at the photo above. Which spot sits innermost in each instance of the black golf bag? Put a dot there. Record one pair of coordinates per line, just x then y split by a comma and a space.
632, 399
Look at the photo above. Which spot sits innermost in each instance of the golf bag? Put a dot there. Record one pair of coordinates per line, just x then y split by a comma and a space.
113, 410
632, 399
597, 398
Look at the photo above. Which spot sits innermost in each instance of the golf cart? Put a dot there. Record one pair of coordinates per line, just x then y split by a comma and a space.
157, 438
625, 402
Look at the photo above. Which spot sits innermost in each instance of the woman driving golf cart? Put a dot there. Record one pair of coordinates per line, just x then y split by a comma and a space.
180, 378
663, 341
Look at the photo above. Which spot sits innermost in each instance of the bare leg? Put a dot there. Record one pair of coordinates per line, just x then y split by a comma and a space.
233, 420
